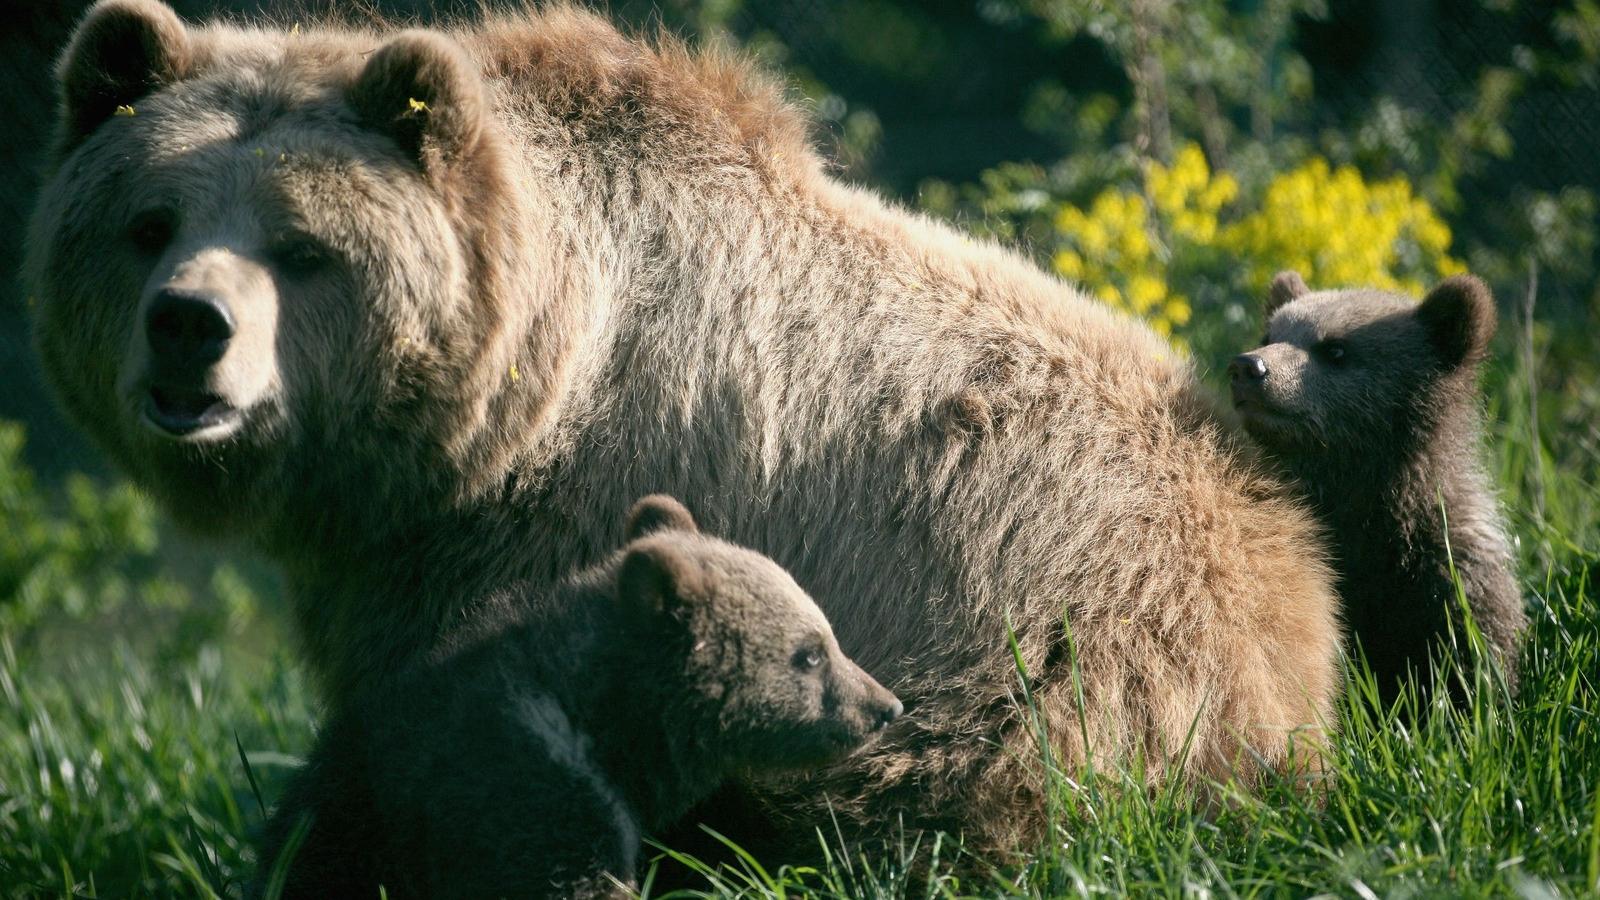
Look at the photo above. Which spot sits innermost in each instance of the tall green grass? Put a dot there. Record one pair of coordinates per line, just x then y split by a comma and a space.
123, 777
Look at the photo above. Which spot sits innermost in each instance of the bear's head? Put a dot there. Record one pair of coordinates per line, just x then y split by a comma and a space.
269, 262
1351, 369
741, 657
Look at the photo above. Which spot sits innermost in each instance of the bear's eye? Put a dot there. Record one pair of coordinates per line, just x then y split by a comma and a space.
301, 255
808, 659
152, 230
1331, 351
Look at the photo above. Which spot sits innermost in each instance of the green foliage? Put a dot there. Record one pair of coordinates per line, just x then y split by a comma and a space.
85, 554
71, 562
1194, 67
120, 779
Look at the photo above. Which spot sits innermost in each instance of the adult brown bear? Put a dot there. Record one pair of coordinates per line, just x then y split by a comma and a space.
417, 313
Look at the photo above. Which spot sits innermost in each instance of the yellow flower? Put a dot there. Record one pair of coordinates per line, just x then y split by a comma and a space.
1069, 265
1178, 310
1336, 229
1328, 223
1145, 291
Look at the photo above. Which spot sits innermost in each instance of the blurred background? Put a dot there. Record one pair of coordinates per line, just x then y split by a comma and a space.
1168, 156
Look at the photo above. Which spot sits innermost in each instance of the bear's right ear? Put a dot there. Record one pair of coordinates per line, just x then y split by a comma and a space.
1459, 317
123, 50
422, 90
657, 512
659, 578
1286, 286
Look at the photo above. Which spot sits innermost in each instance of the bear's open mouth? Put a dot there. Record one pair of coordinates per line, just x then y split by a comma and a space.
182, 412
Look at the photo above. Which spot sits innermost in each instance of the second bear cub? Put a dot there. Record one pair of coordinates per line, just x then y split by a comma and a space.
531, 760
1371, 400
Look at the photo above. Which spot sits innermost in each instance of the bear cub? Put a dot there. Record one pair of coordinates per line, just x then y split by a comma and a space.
1370, 399
529, 758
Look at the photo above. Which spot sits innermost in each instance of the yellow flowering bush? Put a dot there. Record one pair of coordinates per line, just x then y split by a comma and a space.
1119, 248
1149, 251
1112, 254
1188, 197
1337, 230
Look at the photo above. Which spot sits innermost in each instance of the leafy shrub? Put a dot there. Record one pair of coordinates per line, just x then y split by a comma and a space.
85, 553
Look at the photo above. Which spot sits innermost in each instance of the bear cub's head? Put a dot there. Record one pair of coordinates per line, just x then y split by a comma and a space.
743, 658
1359, 368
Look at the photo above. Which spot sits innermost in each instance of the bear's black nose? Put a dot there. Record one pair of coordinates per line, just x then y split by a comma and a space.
187, 330
1245, 366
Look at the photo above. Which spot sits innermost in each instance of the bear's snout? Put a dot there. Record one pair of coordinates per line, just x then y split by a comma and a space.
1247, 376
202, 346
889, 713
1247, 367
877, 704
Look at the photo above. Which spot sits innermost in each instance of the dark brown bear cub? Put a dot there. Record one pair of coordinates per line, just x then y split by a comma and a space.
529, 760
1371, 400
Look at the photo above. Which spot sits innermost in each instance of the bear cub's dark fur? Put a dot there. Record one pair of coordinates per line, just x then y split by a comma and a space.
530, 760
1371, 400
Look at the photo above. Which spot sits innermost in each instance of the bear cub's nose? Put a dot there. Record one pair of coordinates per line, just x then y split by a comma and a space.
890, 713
188, 330
1247, 367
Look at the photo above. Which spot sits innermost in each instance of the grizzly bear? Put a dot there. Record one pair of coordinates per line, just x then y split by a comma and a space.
528, 761
1370, 400
408, 311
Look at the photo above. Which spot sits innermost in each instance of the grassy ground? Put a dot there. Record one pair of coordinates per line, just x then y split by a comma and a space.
122, 777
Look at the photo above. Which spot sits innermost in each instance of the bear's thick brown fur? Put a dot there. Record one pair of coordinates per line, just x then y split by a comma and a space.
484, 286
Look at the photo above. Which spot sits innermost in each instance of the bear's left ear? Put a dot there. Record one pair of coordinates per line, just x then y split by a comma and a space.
657, 512
422, 90
659, 577
1286, 286
1459, 318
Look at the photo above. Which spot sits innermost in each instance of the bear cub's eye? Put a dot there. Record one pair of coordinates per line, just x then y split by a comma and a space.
152, 230
1331, 351
808, 659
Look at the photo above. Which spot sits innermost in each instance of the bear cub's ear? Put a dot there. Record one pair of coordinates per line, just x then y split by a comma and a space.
657, 512
122, 50
422, 90
660, 577
1459, 318
1286, 286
